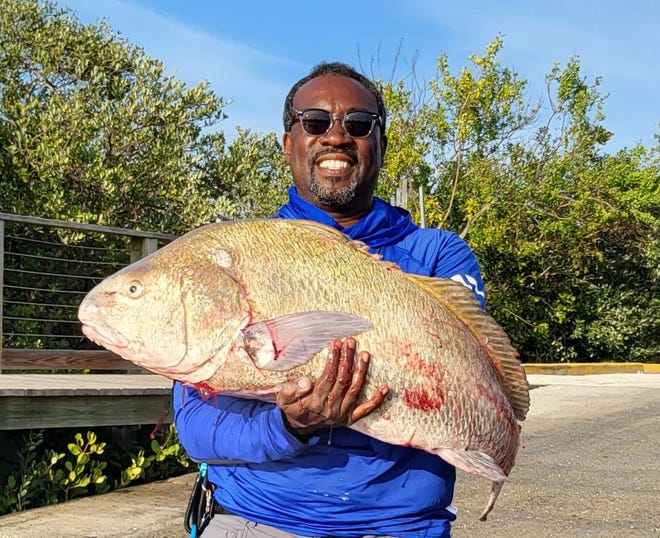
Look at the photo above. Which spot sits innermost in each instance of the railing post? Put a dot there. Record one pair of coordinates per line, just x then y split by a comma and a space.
142, 246
2, 285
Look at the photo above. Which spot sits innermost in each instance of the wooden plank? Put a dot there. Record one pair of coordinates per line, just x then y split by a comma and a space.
83, 400
19, 412
64, 359
85, 227
2, 285
27, 385
142, 247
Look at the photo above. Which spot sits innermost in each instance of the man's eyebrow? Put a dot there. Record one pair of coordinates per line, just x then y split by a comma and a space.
361, 109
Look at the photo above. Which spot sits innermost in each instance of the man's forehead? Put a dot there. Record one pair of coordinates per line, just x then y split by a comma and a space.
334, 88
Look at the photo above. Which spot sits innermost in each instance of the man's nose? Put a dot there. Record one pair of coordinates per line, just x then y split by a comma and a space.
336, 130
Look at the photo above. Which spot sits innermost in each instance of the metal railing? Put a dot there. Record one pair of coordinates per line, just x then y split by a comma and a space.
46, 268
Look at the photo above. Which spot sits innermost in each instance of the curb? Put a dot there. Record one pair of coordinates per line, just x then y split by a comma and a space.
589, 368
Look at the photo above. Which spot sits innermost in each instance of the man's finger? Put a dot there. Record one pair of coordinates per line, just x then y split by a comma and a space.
345, 367
329, 375
359, 375
367, 407
344, 374
292, 391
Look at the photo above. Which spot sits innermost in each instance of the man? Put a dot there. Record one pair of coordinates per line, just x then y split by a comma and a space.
301, 472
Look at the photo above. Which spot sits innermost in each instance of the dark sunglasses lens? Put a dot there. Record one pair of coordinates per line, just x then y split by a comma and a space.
315, 122
358, 124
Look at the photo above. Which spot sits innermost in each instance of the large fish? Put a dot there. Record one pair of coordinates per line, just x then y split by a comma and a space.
242, 306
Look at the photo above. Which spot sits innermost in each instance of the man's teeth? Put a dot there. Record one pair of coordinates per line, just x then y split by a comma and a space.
332, 164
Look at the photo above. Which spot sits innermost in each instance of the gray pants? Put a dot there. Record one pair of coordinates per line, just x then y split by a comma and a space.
226, 525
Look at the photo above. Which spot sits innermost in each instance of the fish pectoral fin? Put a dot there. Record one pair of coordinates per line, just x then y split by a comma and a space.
292, 340
472, 461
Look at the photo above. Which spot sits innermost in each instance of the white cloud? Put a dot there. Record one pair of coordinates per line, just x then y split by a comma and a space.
234, 70
613, 42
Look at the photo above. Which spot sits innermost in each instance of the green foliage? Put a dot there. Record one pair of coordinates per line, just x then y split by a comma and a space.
167, 458
247, 179
566, 235
79, 474
48, 476
408, 141
473, 121
566, 225
55, 476
93, 130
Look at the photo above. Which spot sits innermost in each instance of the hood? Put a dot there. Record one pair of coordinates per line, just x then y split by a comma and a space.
383, 226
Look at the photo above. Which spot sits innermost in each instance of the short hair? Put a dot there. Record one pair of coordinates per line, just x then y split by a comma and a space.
332, 68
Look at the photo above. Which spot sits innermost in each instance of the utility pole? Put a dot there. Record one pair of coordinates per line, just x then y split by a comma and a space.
400, 199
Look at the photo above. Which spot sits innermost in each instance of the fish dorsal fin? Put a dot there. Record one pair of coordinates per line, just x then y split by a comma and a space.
460, 300
334, 234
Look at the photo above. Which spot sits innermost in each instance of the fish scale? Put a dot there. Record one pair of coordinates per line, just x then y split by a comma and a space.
243, 306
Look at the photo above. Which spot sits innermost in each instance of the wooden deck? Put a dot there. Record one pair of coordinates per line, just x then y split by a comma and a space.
39, 388
83, 400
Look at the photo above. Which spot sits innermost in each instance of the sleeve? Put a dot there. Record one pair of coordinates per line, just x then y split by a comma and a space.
442, 254
229, 428
458, 262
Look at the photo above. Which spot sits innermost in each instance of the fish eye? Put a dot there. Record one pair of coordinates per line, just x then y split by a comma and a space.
134, 288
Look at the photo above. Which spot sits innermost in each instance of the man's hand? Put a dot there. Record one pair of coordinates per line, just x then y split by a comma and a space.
332, 400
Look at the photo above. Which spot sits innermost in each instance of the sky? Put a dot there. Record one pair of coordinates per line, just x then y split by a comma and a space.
252, 52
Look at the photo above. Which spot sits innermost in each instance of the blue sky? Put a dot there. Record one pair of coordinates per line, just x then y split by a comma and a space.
253, 51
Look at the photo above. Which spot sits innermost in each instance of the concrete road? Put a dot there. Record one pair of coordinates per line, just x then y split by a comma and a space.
589, 466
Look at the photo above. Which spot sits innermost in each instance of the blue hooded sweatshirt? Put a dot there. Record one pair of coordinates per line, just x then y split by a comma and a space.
341, 482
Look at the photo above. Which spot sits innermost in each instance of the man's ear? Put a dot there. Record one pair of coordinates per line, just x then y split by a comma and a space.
286, 144
383, 148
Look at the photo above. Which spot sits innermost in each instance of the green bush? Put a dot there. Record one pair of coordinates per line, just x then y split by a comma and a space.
43, 475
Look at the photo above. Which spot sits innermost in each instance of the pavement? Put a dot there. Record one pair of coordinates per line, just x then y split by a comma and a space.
589, 465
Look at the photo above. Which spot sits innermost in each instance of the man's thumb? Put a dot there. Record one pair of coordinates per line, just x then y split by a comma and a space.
303, 386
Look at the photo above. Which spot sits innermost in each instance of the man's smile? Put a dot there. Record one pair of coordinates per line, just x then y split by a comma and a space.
333, 164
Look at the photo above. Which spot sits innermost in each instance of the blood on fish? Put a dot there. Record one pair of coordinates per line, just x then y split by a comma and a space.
432, 372
206, 391
424, 400
410, 439
500, 405
430, 396
432, 329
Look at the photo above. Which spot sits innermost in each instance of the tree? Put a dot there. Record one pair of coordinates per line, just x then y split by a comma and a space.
93, 130
248, 178
554, 221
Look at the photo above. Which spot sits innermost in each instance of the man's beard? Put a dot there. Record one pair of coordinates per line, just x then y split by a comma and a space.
333, 197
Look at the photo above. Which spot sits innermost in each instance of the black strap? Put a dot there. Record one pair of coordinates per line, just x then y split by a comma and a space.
200, 505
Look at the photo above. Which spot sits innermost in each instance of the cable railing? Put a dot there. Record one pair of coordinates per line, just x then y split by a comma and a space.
46, 268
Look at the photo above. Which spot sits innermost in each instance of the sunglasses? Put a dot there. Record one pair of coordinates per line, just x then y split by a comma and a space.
317, 122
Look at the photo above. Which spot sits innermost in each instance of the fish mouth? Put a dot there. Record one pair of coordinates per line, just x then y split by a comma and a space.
108, 339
